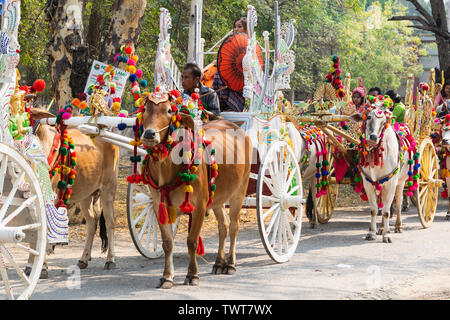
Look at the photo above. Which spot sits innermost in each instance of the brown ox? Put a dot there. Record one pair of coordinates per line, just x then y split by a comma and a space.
97, 172
231, 183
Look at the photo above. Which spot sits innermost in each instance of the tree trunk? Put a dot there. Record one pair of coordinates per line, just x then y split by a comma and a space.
94, 34
443, 43
125, 26
67, 42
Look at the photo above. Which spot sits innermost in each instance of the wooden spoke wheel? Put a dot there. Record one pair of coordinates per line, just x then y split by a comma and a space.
23, 226
143, 222
325, 204
279, 211
428, 191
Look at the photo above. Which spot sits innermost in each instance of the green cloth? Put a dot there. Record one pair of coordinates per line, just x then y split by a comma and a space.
399, 112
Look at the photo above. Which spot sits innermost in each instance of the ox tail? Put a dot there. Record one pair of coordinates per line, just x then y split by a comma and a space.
103, 233
309, 205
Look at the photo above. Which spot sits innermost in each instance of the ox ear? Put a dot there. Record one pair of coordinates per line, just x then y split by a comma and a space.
186, 120
356, 117
39, 114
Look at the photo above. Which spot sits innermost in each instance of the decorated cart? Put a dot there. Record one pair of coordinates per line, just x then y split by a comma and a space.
424, 166
25, 195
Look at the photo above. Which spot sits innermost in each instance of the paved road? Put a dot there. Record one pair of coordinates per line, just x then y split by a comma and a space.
332, 262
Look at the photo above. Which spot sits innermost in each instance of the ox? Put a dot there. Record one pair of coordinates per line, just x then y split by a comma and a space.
386, 179
97, 172
231, 184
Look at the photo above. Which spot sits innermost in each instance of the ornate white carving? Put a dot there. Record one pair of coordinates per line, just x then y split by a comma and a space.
261, 87
167, 76
9, 58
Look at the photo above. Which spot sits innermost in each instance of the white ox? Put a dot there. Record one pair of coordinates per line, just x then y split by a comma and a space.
377, 134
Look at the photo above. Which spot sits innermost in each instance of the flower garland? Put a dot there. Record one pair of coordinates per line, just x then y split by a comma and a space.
334, 77
67, 160
313, 135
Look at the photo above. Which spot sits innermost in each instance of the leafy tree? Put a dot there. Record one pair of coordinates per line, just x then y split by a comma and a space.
435, 22
380, 52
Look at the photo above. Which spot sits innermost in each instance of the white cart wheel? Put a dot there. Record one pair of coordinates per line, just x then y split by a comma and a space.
143, 223
279, 202
23, 225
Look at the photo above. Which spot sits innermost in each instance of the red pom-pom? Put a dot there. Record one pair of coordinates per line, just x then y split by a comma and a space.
24, 88
39, 85
128, 50
364, 197
175, 93
131, 179
195, 96
186, 207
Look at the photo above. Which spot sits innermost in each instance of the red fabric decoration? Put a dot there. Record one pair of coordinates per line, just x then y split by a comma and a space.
200, 247
162, 213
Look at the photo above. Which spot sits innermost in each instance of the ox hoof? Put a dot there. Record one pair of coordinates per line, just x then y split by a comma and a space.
82, 264
380, 232
165, 283
370, 236
398, 230
229, 269
192, 280
387, 240
44, 272
447, 217
109, 265
217, 269
312, 225
27, 271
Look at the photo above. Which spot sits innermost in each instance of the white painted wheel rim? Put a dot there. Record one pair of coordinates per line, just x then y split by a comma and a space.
279, 229
14, 283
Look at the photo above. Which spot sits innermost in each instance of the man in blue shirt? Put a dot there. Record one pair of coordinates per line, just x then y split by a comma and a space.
190, 79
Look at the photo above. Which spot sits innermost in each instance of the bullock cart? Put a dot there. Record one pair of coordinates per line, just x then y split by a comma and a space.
419, 120
23, 219
275, 189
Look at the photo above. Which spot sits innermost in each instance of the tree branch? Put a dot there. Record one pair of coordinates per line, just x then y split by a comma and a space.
423, 12
435, 30
410, 18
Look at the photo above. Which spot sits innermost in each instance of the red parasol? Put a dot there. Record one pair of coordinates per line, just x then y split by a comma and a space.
229, 60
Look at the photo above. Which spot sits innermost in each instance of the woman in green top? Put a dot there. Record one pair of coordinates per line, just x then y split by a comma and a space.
398, 110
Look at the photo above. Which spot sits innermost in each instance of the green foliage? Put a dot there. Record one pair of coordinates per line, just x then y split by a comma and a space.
380, 51
33, 37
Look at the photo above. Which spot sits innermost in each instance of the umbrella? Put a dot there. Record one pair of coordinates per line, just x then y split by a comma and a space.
229, 60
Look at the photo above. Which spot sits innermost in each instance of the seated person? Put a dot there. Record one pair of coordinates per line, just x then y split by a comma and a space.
230, 100
190, 79
441, 100
398, 111
375, 91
